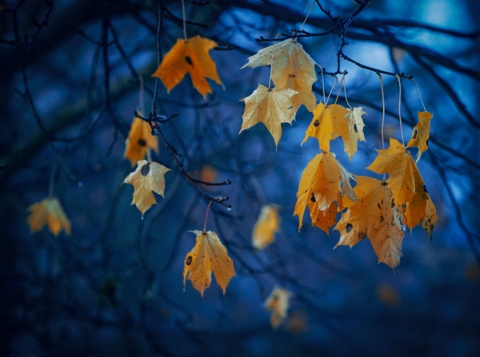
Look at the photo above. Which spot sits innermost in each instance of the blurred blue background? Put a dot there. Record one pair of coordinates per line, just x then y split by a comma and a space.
71, 78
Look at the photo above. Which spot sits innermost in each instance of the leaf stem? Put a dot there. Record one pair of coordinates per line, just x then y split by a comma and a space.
184, 20
400, 107
206, 217
420, 94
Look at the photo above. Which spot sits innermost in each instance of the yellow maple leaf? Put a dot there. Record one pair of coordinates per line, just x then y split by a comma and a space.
272, 107
321, 186
209, 254
189, 56
292, 68
421, 133
48, 211
328, 123
375, 217
267, 225
355, 127
420, 209
399, 165
148, 177
139, 140
278, 303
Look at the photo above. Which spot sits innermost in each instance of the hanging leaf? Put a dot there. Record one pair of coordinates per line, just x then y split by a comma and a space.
272, 107
189, 56
139, 140
355, 127
209, 254
267, 225
420, 209
322, 185
49, 212
376, 217
292, 68
328, 123
149, 177
278, 303
421, 133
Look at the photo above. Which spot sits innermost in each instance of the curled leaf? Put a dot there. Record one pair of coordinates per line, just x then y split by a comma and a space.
139, 140
266, 226
278, 303
421, 133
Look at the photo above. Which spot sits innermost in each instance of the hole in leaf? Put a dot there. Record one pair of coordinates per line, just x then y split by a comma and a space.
142, 142
145, 169
316, 123
355, 128
189, 60
313, 198
189, 260
348, 227
415, 132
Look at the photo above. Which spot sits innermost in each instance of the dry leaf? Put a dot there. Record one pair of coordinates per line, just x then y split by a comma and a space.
355, 127
421, 133
209, 254
278, 303
420, 209
190, 56
267, 225
148, 177
376, 217
139, 140
292, 68
399, 165
322, 185
48, 211
328, 123
270, 107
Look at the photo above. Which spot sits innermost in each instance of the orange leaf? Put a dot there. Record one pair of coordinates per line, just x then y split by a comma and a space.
420, 209
375, 217
272, 107
189, 56
328, 123
209, 254
278, 303
322, 185
48, 211
139, 140
267, 225
149, 177
421, 133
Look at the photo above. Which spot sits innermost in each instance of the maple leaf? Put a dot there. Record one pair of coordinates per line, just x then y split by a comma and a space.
139, 140
272, 107
189, 56
399, 164
376, 217
149, 177
48, 211
292, 68
421, 133
266, 226
209, 254
355, 127
328, 123
278, 303
420, 209
321, 186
